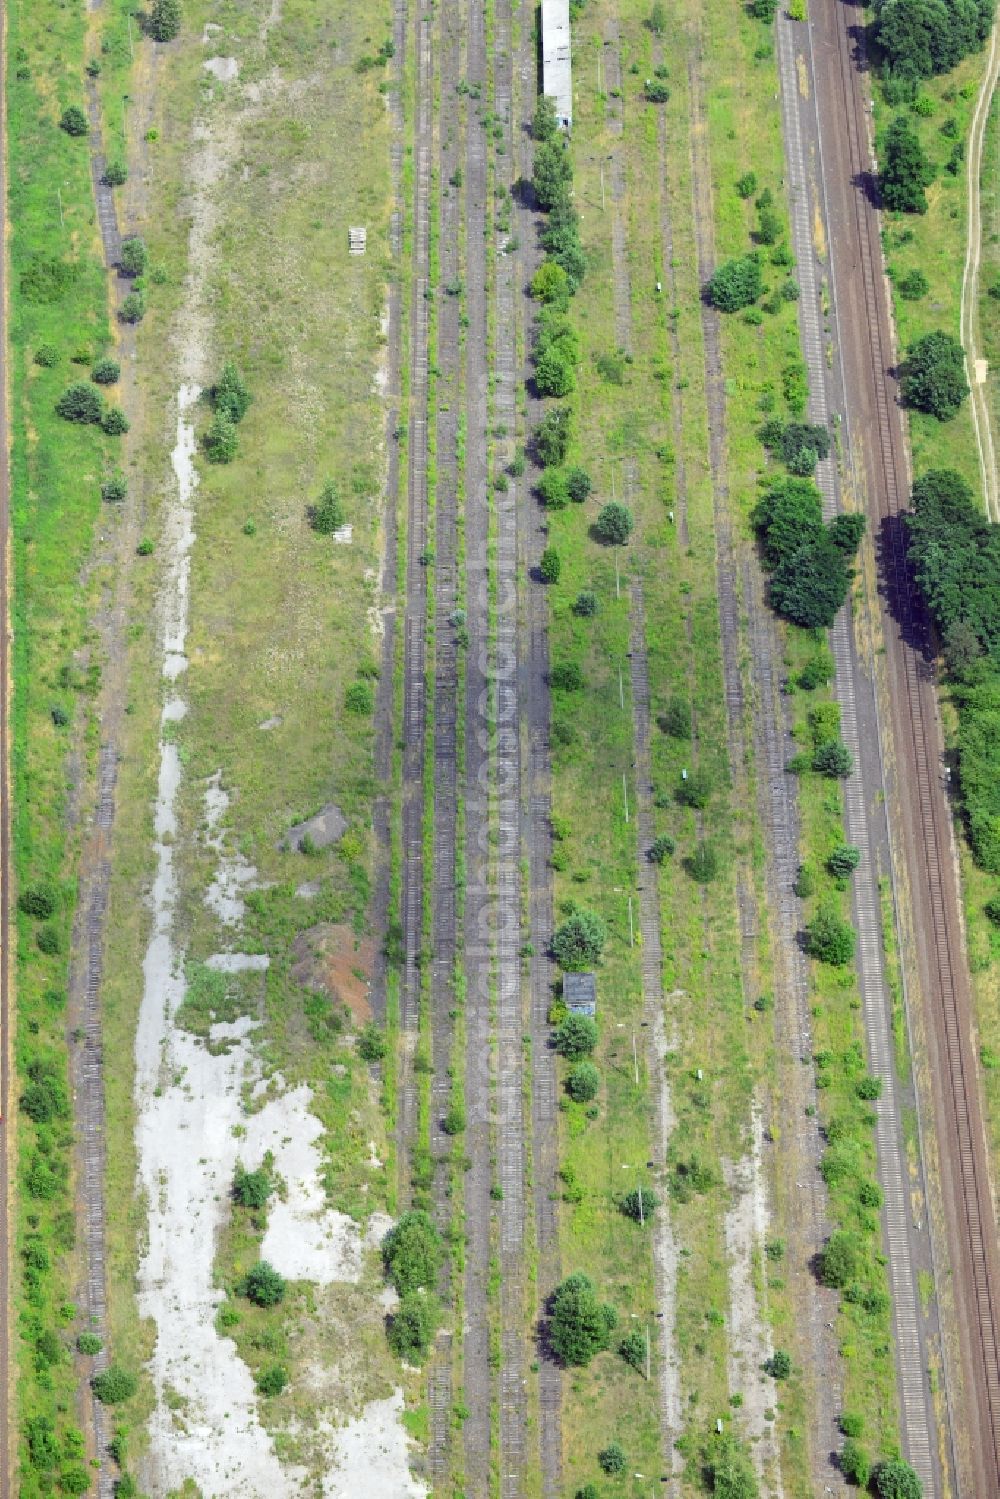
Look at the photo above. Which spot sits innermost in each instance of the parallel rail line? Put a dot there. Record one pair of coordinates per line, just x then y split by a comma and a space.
950, 1002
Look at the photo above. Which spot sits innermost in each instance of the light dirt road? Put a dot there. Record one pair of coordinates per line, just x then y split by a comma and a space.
978, 375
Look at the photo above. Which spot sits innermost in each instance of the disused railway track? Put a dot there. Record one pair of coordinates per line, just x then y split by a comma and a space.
869, 356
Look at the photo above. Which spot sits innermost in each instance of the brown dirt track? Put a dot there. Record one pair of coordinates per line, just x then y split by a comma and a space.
924, 829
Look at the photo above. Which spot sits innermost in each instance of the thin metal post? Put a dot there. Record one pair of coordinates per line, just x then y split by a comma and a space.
635, 1054
625, 790
631, 943
621, 687
62, 221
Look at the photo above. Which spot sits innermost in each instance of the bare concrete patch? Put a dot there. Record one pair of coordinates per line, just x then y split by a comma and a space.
274, 722
225, 69
234, 873
371, 1456
238, 962
212, 29
328, 826
750, 1342
343, 535
308, 890
333, 959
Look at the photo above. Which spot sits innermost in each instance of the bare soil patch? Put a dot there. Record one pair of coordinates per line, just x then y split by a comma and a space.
333, 959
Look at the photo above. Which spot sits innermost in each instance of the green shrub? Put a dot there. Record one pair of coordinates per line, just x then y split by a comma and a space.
552, 436
829, 939
272, 1380
371, 1043
779, 1365
75, 1479
38, 900
895, 1479
585, 604
49, 941
114, 422
833, 759
703, 864
46, 356
327, 515
913, 285
746, 185
736, 284
566, 676
115, 173
575, 1036
578, 484
114, 1384
453, 1122
612, 1460
251, 1189
134, 257
220, 441
851, 1425
230, 395
869, 1087
763, 10
905, 170
854, 1464
411, 1330
552, 489
263, 1285
840, 1260
579, 1326
843, 861
360, 699
660, 849
696, 789
633, 1350
579, 941
640, 1204
164, 20
80, 403
870, 1195
114, 490
74, 121
133, 308
45, 1097
583, 1082
413, 1253
88, 1343
550, 565
106, 372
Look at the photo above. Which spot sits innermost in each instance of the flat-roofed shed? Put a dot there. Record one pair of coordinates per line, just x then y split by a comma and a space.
557, 68
580, 993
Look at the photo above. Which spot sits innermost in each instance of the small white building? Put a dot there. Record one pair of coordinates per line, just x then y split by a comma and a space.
557, 66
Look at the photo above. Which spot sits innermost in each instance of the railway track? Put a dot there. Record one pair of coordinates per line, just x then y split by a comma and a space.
863, 820
864, 313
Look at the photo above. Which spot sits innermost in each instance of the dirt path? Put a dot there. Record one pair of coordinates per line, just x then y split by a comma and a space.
982, 416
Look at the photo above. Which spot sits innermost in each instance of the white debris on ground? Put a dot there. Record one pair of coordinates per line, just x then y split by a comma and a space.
225, 69
239, 962
234, 873
369, 1456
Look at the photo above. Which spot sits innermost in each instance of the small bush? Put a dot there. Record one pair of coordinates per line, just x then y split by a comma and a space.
220, 441
263, 1285
453, 1122
327, 515
633, 1350
736, 284
869, 1087
230, 395
913, 286
779, 1365
46, 355
829, 939
135, 256
578, 484
360, 699
114, 422
676, 720
614, 524
74, 1479
895, 1479
113, 1385
38, 900
133, 308
80, 403
583, 1082
870, 1195
585, 604
106, 372
272, 1380
640, 1204
851, 1425
661, 849
578, 943
371, 1043
696, 790
88, 1343
550, 565
411, 1330
843, 861
553, 490
833, 759
251, 1189
612, 1460
552, 436
566, 676
746, 185
115, 174
49, 941
840, 1260
114, 490
74, 121
412, 1253
165, 20
854, 1464
703, 864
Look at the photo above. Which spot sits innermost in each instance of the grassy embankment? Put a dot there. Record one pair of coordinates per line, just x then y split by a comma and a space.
281, 621
58, 300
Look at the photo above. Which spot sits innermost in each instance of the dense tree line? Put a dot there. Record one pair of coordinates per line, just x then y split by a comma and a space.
955, 554
809, 561
919, 38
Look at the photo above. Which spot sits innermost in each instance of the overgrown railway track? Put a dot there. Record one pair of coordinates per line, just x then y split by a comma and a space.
865, 318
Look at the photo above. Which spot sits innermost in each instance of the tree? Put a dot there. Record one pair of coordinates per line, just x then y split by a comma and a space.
696, 790
933, 375
829, 939
737, 283
640, 1204
660, 849
632, 1349
220, 440
833, 759
840, 1260
411, 1330
165, 20
135, 256
115, 173
614, 524
905, 169
263, 1285
553, 172
657, 91
579, 1326
371, 1043
114, 422
230, 394
657, 18
583, 1082
585, 604
106, 372
575, 1036
412, 1253
552, 436
846, 531
913, 286
895, 1479
779, 1365
763, 10
80, 403
251, 1189
327, 515
854, 1464
550, 283
810, 584
114, 489
114, 1384
922, 37
612, 1459
38, 900
730, 1471
550, 565
133, 308
74, 121
272, 1380
543, 123
566, 676
554, 371
579, 941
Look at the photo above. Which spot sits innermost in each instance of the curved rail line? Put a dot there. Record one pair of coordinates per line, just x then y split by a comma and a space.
963, 1149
